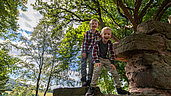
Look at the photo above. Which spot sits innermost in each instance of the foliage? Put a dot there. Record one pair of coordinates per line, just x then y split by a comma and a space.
24, 90
9, 13
7, 65
120, 15
39, 52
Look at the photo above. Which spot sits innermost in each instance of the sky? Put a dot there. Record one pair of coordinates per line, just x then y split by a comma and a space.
27, 20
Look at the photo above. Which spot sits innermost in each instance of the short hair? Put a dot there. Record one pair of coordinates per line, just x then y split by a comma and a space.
94, 20
106, 28
169, 19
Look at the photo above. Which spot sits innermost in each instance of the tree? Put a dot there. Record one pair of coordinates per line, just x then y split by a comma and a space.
8, 24
9, 13
122, 16
7, 65
40, 53
136, 13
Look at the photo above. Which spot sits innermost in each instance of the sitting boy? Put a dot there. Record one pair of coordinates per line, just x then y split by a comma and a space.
102, 49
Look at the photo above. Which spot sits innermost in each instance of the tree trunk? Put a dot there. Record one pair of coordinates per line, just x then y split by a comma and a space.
49, 79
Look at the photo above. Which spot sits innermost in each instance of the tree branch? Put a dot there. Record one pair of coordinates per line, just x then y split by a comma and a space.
128, 15
143, 12
70, 12
88, 6
120, 11
160, 11
102, 24
137, 6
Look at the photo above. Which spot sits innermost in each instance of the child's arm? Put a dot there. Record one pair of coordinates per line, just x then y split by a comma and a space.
84, 46
95, 53
112, 57
111, 53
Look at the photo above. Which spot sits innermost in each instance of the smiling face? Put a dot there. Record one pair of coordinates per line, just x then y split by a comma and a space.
93, 25
106, 35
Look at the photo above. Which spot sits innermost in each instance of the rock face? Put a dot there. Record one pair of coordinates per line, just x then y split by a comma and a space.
148, 56
78, 91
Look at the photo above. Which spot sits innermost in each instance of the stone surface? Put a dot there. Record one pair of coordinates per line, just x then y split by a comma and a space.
136, 44
153, 27
78, 91
148, 57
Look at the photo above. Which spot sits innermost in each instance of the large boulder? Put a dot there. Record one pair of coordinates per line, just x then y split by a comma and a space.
148, 57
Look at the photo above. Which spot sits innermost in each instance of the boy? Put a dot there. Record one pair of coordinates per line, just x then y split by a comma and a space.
102, 49
89, 39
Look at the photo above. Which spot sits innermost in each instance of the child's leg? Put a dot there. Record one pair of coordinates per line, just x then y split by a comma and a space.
90, 69
107, 65
83, 69
96, 74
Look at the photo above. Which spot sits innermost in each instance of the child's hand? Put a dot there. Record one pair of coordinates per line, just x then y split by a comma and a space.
113, 66
115, 42
83, 55
98, 64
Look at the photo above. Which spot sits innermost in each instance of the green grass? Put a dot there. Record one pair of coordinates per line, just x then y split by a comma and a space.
40, 93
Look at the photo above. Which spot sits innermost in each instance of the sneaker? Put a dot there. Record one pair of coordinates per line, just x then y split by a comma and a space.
88, 83
120, 91
84, 84
90, 91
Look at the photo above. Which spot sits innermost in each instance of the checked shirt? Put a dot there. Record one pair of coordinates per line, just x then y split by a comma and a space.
89, 40
96, 52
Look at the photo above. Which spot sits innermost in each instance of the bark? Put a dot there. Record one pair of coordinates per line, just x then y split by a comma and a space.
136, 9
49, 80
51, 71
128, 15
40, 66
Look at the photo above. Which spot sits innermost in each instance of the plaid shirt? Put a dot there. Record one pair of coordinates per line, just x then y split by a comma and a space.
110, 52
89, 40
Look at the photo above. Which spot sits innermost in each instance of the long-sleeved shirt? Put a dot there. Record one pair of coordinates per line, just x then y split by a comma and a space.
89, 40
96, 51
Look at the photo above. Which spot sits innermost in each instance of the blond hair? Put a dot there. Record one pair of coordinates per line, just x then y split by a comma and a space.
106, 28
169, 19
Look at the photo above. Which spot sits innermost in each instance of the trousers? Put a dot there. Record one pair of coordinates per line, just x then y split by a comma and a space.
84, 64
97, 71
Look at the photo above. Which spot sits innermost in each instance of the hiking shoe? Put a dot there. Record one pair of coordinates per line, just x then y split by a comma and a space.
90, 91
84, 84
88, 83
120, 91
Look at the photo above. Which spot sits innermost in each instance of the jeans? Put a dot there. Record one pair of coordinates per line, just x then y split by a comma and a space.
84, 62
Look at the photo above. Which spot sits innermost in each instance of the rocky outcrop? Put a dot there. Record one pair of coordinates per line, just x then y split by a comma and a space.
78, 91
148, 57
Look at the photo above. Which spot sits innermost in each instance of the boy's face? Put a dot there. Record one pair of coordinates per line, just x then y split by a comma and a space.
106, 35
94, 25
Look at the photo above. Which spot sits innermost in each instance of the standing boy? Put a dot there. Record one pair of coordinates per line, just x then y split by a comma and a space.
102, 49
89, 39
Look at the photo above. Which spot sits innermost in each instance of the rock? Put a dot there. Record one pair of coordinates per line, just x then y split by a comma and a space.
148, 56
78, 91
153, 27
